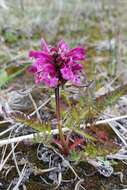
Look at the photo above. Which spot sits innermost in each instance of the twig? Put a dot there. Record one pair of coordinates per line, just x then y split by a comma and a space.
7, 157
29, 137
6, 121
9, 186
20, 178
40, 171
68, 164
59, 178
112, 125
15, 161
35, 106
111, 119
78, 184
47, 101
120, 155
45, 181
4, 150
53, 132
7, 130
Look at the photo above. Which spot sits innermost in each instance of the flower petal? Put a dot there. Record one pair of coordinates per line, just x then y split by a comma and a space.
67, 73
39, 54
53, 82
38, 78
76, 80
32, 69
77, 54
48, 68
46, 78
50, 81
57, 64
77, 67
63, 46
45, 46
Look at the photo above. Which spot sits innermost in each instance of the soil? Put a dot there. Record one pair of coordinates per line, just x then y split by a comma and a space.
92, 179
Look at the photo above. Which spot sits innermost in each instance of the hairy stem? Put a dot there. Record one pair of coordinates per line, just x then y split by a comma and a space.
59, 124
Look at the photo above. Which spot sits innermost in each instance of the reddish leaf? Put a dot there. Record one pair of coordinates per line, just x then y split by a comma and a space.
77, 142
102, 135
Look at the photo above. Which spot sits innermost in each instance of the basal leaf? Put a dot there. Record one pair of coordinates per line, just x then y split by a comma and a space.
95, 106
86, 135
110, 98
31, 122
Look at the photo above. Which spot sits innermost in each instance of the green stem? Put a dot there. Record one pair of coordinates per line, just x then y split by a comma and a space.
57, 98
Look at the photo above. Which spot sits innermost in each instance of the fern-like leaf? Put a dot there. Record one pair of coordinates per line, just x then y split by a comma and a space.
31, 122
93, 107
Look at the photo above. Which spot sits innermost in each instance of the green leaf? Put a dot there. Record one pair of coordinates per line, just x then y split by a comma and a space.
87, 136
75, 156
110, 98
33, 123
5, 77
91, 150
95, 106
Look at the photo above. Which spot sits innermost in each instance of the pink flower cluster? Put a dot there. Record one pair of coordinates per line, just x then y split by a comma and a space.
54, 66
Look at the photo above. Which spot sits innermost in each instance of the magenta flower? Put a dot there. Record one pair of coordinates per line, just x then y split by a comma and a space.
54, 66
